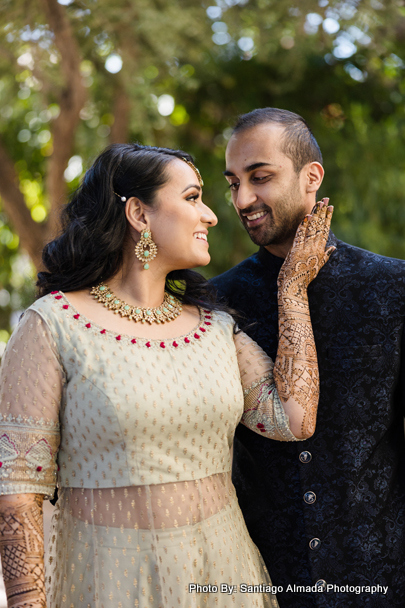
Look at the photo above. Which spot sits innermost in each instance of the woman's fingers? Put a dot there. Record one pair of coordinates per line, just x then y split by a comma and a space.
301, 232
320, 227
328, 253
316, 224
327, 221
313, 231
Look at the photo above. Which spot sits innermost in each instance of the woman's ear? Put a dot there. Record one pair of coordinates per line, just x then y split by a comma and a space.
136, 213
314, 176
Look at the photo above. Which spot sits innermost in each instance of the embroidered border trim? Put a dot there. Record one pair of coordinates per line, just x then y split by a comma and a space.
29, 421
27, 488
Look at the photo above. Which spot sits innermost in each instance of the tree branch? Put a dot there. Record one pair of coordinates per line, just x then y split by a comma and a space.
71, 101
122, 106
32, 235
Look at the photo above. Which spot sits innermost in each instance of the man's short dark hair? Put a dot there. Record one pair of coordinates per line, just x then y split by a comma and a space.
299, 144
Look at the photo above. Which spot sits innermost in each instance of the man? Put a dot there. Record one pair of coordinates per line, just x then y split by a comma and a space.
328, 512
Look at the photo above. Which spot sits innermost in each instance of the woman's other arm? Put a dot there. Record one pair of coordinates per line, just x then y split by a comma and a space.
31, 381
22, 550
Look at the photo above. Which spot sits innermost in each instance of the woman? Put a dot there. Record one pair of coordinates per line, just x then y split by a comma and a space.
139, 407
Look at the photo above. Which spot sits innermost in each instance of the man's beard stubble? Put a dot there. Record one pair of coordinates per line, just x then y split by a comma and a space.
290, 213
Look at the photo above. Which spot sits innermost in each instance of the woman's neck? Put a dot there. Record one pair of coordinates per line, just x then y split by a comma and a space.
137, 286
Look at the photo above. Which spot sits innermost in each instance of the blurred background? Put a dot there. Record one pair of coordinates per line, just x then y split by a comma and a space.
76, 75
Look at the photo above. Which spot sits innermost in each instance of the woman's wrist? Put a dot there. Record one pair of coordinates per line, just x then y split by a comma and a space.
22, 550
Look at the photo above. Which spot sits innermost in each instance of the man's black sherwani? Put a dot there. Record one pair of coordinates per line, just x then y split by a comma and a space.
332, 508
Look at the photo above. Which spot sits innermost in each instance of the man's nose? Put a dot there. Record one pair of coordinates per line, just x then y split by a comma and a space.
245, 197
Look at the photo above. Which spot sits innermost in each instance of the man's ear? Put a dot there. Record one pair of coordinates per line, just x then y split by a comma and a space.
314, 176
136, 213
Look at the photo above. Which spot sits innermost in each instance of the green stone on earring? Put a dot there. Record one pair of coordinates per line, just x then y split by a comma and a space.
146, 254
146, 235
146, 266
102, 288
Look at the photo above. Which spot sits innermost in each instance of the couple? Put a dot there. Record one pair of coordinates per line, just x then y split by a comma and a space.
142, 417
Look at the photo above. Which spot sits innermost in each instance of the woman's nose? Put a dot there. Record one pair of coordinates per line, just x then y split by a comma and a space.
208, 216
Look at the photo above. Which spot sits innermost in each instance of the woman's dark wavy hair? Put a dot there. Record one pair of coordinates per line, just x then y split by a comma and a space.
94, 226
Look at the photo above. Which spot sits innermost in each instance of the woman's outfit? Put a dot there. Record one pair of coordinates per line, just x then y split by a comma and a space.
137, 434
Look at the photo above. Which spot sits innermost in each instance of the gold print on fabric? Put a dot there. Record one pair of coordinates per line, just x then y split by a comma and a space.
296, 368
22, 551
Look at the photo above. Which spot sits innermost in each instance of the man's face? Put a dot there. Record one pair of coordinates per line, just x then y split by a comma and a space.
267, 193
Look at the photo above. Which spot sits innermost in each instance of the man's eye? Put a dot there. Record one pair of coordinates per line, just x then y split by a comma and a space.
234, 186
260, 179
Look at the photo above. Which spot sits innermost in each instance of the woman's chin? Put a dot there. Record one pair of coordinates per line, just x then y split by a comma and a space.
206, 261
197, 263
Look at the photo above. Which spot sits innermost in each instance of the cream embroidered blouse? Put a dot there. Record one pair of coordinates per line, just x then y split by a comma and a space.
107, 406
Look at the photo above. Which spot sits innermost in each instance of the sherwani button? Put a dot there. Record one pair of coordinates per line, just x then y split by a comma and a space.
309, 497
321, 583
314, 543
305, 457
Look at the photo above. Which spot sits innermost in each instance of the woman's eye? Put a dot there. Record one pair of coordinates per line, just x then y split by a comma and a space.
193, 197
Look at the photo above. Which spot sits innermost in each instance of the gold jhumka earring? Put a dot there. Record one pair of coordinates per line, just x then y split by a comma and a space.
146, 249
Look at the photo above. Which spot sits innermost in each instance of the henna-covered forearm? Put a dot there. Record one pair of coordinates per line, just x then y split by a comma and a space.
296, 367
22, 550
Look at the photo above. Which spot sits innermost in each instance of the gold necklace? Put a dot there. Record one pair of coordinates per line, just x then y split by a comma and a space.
169, 309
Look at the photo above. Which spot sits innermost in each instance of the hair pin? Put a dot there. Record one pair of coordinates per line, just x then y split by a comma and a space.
123, 198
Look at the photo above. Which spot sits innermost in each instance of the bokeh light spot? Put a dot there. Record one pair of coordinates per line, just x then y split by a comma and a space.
165, 105
38, 213
113, 63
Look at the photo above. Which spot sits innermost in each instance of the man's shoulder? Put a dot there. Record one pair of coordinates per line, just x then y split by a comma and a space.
365, 259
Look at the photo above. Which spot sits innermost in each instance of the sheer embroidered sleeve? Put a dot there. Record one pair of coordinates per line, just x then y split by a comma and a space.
263, 410
31, 381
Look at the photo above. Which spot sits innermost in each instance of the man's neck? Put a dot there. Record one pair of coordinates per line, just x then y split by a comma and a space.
280, 250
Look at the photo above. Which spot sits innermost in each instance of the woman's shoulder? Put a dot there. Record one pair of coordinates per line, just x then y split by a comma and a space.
46, 306
222, 318
50, 309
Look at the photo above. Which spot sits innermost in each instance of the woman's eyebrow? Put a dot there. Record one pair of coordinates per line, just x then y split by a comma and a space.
192, 186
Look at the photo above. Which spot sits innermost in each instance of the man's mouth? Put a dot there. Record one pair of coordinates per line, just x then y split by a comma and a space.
254, 219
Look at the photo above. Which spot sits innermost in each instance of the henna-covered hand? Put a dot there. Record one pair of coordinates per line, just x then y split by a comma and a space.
296, 366
22, 550
308, 254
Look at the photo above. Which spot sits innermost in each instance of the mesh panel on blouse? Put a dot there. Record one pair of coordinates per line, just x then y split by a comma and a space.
146, 504
263, 410
31, 381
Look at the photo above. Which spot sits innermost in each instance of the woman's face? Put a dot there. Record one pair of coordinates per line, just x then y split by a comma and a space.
179, 220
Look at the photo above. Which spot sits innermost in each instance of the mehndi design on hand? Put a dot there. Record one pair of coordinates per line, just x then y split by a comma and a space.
22, 550
296, 367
